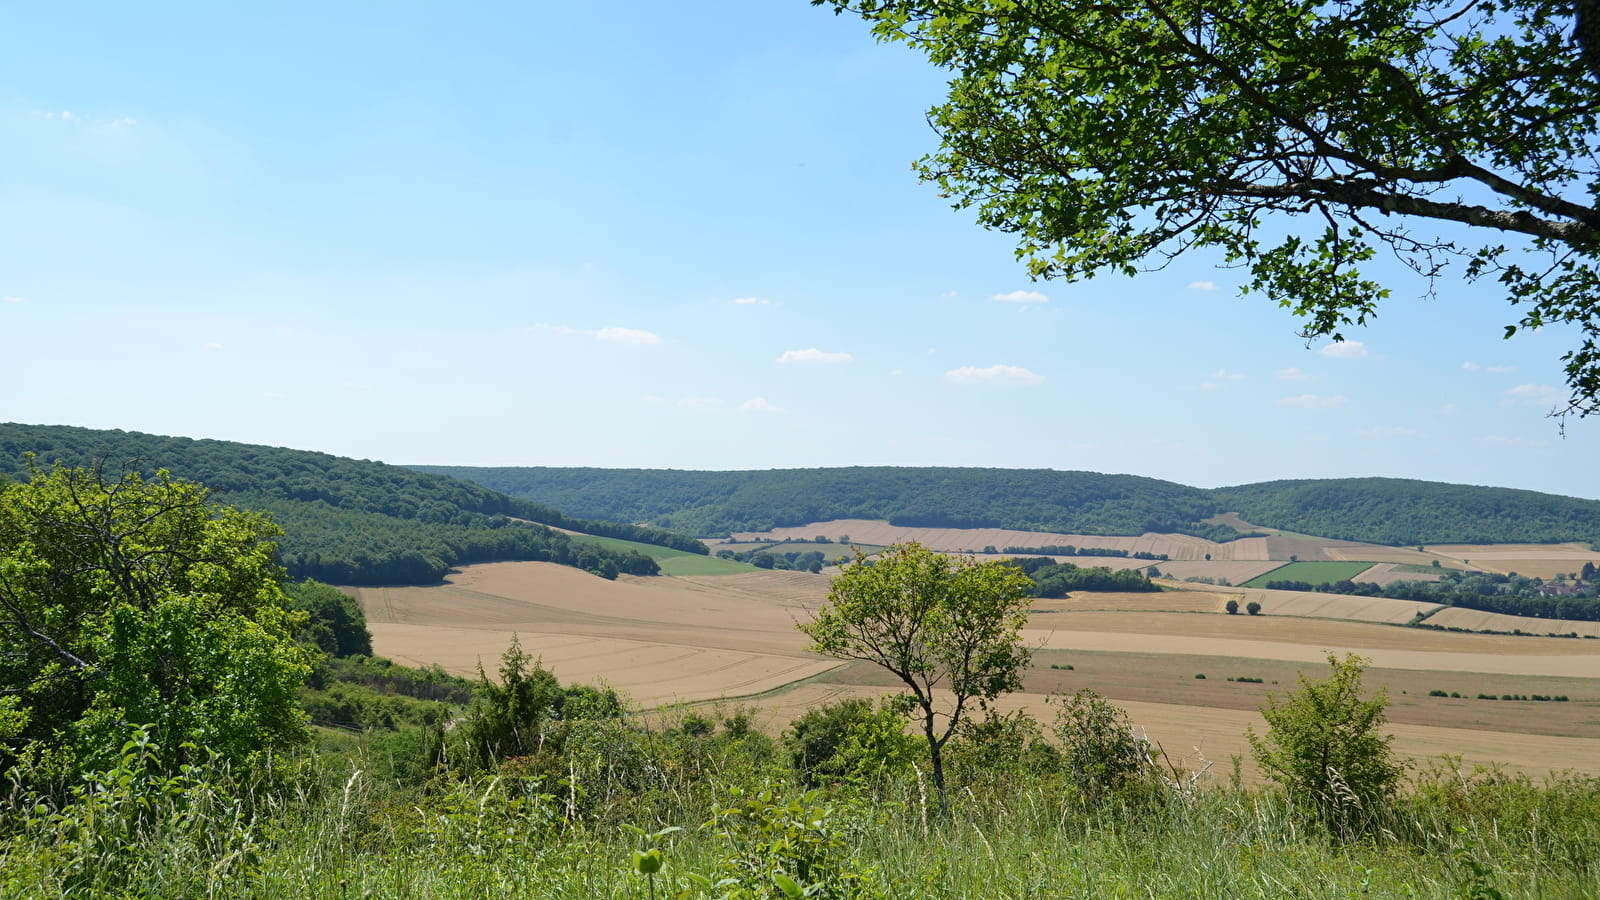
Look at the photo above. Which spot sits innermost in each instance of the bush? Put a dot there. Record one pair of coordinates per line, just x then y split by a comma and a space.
1253, 608
850, 740
1323, 745
1100, 750
1232, 607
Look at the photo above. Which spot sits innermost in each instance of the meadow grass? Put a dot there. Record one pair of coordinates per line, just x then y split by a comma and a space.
338, 832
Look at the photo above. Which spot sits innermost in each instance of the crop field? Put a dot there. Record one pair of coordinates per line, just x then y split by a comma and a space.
1478, 620
1311, 572
671, 561
731, 638
1233, 570
1534, 560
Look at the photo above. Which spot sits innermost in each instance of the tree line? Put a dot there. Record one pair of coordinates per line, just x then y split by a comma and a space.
1391, 511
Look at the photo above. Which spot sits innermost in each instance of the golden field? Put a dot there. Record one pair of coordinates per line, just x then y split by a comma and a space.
666, 640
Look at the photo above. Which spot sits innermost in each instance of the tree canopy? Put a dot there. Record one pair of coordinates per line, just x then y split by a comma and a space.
126, 602
938, 623
1301, 139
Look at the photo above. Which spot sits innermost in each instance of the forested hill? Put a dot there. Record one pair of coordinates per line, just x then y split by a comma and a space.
712, 503
347, 521
1377, 510
1403, 511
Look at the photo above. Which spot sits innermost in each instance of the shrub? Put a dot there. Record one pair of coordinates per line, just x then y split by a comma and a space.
1253, 608
1232, 607
1323, 745
1101, 752
849, 740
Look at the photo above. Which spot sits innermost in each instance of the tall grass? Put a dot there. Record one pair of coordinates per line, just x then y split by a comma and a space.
337, 832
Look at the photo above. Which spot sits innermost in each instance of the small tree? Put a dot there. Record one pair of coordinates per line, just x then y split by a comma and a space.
1253, 608
941, 625
1323, 745
1101, 750
1232, 607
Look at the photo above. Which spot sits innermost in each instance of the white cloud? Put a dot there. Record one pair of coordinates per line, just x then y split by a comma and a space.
897, 372
627, 336
355, 386
1391, 431
16, 300
993, 375
1345, 350
1225, 375
813, 355
759, 404
609, 334
1501, 370
752, 301
213, 345
1531, 394
1312, 401
1021, 297
1470, 366
1202, 285
1292, 374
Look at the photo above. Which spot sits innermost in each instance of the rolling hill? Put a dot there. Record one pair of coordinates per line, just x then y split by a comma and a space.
1374, 510
348, 521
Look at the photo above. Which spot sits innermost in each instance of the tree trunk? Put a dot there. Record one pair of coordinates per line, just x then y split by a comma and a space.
936, 759
1586, 31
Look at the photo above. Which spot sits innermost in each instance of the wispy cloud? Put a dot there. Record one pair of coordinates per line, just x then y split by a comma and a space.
609, 334
1033, 297
1202, 285
1225, 375
213, 345
1312, 401
759, 405
1501, 440
1345, 350
1531, 394
752, 301
628, 336
1501, 370
70, 117
1470, 366
812, 355
1292, 374
993, 375
16, 299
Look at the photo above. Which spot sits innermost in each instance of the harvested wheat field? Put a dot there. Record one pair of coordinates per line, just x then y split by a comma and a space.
1477, 620
672, 639
1234, 571
957, 540
1533, 560
1384, 573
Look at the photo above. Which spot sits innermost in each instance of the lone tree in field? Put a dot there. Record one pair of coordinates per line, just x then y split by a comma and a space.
942, 625
1323, 744
1299, 141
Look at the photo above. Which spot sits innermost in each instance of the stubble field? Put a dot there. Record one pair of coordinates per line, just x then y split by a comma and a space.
733, 638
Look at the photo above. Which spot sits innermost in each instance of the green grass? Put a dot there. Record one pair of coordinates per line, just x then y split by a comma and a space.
672, 562
1310, 572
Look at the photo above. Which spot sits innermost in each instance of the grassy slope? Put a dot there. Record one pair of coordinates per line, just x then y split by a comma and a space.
672, 562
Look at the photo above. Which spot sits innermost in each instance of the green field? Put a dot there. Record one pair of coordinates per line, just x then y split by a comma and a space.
1310, 572
672, 562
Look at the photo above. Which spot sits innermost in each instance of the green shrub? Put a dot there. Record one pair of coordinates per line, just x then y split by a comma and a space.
1323, 745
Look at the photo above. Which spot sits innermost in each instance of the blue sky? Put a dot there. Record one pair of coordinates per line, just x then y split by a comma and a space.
668, 235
